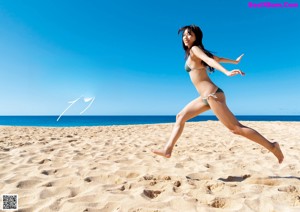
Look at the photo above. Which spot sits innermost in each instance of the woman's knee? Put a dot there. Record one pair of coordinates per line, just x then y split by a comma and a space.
180, 117
236, 129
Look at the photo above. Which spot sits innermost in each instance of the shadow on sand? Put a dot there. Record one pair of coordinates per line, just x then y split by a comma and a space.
235, 178
244, 177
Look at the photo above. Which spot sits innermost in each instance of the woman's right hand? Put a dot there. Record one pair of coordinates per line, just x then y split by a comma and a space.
235, 72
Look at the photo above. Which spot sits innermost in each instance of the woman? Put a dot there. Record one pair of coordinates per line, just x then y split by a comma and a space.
198, 59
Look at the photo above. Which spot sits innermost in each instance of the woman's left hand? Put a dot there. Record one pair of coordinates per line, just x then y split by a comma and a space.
235, 72
239, 59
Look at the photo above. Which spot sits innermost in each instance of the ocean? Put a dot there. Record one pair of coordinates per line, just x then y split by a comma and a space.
76, 121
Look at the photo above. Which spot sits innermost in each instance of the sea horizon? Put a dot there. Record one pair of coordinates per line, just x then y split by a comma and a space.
112, 120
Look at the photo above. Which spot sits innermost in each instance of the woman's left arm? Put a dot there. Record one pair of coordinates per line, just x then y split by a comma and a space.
226, 60
213, 63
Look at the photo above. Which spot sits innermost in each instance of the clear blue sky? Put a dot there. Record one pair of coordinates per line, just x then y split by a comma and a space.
127, 55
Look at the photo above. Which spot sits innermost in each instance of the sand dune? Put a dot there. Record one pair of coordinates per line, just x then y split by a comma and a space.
112, 168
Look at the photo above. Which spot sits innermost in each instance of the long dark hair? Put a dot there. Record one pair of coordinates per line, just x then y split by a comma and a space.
198, 42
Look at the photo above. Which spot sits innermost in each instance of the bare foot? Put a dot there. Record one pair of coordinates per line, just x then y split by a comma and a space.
162, 153
277, 152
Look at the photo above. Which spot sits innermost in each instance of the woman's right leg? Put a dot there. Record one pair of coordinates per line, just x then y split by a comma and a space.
223, 113
191, 110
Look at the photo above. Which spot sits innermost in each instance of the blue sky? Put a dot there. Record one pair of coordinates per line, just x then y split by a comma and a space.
127, 55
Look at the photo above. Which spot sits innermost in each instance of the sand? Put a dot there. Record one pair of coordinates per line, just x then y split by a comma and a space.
113, 169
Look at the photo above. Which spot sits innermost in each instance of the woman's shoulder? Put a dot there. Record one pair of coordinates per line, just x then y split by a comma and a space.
193, 52
196, 50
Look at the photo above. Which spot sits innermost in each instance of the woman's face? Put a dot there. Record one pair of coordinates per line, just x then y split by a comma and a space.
188, 38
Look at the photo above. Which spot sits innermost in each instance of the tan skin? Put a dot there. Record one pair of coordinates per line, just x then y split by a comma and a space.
205, 86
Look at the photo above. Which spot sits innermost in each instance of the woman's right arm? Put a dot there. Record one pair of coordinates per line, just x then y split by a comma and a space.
195, 50
226, 60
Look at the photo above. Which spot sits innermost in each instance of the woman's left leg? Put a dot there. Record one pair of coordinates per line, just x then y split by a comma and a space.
220, 109
194, 108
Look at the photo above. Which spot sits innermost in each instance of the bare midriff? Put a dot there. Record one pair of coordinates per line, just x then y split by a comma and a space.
202, 82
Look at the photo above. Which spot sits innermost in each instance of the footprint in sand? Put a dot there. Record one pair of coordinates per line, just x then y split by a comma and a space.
151, 193
149, 177
176, 186
198, 176
152, 183
88, 179
104, 179
292, 166
44, 161
177, 183
215, 187
265, 181
50, 184
288, 189
74, 192
152, 177
219, 203
164, 177
48, 172
47, 150
28, 183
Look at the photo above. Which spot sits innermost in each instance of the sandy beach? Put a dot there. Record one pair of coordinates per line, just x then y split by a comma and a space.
113, 169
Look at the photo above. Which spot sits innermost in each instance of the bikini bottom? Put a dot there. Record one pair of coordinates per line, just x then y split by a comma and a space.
204, 99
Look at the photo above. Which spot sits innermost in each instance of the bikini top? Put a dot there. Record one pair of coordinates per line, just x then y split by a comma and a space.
188, 69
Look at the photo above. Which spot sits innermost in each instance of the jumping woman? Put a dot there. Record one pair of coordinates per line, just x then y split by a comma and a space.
198, 60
